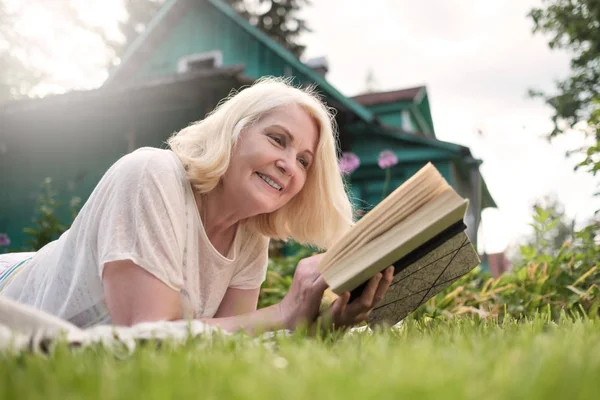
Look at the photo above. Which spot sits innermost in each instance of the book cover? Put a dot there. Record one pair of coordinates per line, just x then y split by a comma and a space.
425, 277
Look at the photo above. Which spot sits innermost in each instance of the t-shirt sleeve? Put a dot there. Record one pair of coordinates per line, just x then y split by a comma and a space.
140, 203
252, 272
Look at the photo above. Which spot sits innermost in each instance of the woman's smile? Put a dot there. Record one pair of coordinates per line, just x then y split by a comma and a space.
271, 182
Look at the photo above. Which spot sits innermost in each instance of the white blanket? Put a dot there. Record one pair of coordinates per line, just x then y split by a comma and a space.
23, 328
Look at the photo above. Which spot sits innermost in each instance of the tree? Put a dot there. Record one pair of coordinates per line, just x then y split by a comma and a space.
277, 18
139, 13
573, 25
16, 77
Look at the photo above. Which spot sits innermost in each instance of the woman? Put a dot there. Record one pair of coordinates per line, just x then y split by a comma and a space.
183, 233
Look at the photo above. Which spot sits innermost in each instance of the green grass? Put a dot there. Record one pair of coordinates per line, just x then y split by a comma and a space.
462, 359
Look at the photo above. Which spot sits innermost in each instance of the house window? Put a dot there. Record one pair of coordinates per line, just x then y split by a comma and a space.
407, 124
201, 61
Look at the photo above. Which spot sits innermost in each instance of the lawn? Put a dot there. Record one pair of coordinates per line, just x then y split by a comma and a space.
460, 359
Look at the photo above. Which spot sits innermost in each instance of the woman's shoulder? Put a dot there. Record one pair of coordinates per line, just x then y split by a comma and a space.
146, 169
252, 241
148, 163
152, 158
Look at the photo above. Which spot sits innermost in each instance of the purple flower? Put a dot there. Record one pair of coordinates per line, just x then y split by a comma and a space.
348, 163
4, 240
387, 159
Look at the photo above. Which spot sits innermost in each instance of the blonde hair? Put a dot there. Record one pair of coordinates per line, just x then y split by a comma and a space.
321, 212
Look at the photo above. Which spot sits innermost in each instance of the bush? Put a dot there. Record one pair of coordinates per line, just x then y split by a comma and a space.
48, 227
547, 280
279, 277
544, 280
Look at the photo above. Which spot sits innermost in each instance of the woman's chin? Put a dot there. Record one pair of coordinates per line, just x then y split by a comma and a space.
259, 204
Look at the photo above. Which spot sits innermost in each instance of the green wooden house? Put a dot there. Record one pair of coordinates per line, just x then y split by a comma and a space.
190, 56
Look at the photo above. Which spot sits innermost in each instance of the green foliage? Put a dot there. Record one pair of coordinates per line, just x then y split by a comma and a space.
139, 13
551, 228
279, 277
279, 19
48, 227
573, 25
545, 280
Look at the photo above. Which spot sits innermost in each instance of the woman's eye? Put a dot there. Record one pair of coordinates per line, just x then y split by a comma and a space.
278, 140
304, 162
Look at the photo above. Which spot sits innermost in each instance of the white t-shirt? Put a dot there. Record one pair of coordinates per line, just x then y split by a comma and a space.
143, 210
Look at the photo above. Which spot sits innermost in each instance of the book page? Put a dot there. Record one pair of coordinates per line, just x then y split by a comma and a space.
384, 223
422, 187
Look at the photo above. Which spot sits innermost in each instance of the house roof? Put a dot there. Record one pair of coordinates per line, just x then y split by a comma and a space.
172, 89
156, 31
417, 100
371, 99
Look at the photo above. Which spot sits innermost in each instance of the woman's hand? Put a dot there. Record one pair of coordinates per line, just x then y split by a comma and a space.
344, 315
301, 303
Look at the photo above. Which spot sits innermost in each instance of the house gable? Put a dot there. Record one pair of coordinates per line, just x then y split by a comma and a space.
406, 109
184, 28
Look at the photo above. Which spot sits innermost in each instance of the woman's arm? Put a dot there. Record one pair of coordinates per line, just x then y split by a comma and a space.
133, 295
238, 302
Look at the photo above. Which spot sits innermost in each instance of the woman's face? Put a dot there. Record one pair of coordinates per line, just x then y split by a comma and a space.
271, 159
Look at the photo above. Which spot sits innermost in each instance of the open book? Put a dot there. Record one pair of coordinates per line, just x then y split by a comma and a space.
419, 229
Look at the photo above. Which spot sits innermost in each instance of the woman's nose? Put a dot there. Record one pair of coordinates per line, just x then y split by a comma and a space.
285, 166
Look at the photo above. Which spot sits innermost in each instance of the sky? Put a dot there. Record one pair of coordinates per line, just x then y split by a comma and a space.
476, 58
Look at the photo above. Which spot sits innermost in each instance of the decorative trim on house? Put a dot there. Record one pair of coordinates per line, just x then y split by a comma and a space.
414, 94
200, 61
421, 123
